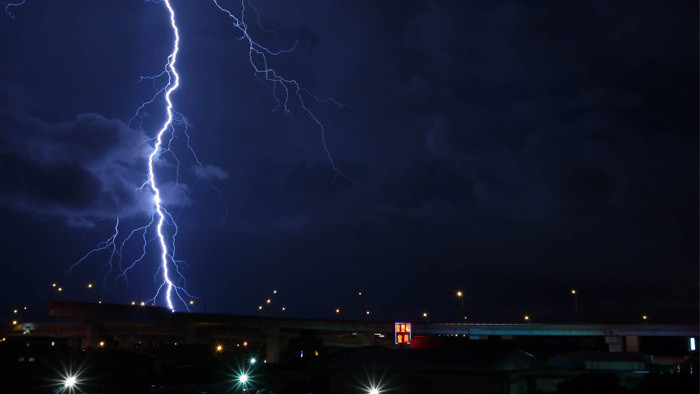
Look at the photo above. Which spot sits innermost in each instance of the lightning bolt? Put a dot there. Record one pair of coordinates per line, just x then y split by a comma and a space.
283, 91
160, 217
173, 83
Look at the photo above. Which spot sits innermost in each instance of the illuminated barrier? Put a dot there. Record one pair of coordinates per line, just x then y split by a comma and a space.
402, 333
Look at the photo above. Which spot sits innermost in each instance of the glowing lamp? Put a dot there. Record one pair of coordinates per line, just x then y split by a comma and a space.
69, 382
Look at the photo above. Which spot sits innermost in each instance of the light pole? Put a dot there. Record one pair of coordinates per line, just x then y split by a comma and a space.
460, 295
575, 294
90, 291
426, 317
362, 303
279, 303
337, 313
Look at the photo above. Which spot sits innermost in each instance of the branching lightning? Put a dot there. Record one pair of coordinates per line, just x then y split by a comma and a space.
168, 265
8, 5
282, 88
162, 226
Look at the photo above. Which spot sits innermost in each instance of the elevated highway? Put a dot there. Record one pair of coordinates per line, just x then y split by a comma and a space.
87, 323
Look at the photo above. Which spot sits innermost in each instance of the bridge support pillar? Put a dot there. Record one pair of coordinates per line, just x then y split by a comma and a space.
366, 338
91, 335
615, 344
632, 343
272, 335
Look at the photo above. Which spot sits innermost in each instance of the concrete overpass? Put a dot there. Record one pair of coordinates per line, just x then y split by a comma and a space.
88, 322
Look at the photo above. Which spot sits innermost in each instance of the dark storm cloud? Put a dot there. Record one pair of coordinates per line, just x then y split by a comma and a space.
82, 171
513, 148
523, 137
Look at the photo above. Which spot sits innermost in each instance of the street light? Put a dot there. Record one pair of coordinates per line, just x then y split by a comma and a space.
362, 303
337, 312
278, 301
460, 295
575, 294
526, 318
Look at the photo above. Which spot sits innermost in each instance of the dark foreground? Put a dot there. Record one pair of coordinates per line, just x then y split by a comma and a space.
42, 365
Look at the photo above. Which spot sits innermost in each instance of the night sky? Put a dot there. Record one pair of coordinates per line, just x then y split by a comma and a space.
513, 150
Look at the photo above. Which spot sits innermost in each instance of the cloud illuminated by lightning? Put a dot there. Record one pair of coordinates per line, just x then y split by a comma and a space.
168, 265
